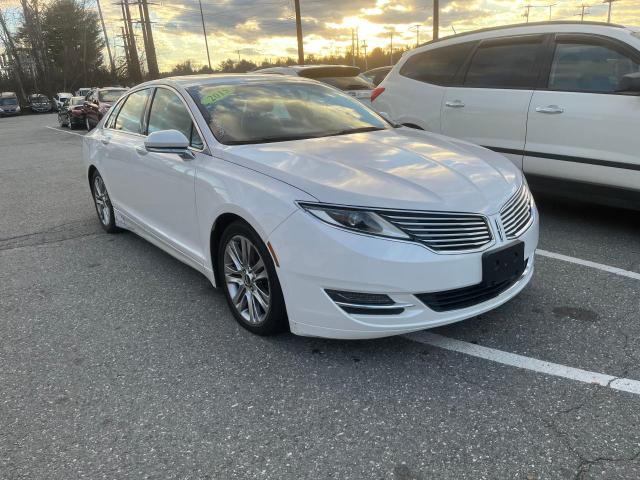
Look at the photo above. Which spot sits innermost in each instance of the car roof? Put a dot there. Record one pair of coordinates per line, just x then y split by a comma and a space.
532, 27
8, 95
225, 79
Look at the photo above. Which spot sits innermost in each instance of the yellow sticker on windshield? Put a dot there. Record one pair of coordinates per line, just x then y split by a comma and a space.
213, 95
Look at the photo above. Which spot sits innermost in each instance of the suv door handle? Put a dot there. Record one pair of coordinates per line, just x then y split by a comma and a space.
105, 140
550, 109
454, 104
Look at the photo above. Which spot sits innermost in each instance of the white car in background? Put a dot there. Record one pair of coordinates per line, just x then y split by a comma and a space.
310, 211
343, 77
561, 100
59, 99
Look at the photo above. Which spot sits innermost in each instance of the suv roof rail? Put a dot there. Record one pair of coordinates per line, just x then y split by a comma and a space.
517, 25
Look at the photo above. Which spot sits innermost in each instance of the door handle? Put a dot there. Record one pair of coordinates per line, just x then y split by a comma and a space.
550, 109
105, 140
454, 104
141, 150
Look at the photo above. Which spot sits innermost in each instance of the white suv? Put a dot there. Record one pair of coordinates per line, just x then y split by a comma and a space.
560, 100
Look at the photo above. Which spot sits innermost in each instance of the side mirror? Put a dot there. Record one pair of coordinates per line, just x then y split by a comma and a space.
169, 141
630, 84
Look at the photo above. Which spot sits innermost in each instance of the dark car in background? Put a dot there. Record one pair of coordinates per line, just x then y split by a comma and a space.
98, 103
71, 113
9, 104
376, 75
39, 103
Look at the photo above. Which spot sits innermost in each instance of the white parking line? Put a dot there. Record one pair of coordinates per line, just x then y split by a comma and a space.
65, 131
588, 263
526, 363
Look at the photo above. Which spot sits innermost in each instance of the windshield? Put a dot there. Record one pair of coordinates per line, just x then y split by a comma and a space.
110, 95
277, 112
75, 101
40, 99
8, 101
347, 83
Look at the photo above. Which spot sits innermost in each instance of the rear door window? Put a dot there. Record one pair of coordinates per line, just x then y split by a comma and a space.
438, 66
505, 63
130, 116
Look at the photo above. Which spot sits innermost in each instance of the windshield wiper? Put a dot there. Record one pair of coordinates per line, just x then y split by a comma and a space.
349, 131
269, 140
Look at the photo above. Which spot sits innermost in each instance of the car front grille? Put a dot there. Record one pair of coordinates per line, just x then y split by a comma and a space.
517, 214
465, 297
443, 231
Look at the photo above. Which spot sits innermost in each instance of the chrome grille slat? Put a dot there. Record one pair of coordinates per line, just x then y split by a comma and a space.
518, 207
448, 232
517, 214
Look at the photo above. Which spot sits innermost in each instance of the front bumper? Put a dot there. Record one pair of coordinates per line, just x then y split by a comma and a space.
314, 256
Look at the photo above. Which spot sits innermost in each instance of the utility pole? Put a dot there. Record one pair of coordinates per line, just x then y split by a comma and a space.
609, 14
527, 12
134, 61
204, 32
353, 47
299, 33
550, 7
391, 49
357, 43
106, 40
127, 51
436, 19
584, 12
417, 30
149, 44
366, 61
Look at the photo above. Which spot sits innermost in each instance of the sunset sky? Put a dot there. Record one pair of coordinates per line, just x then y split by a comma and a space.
266, 28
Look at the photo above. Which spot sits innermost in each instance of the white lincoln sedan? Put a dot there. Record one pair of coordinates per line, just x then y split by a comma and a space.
309, 210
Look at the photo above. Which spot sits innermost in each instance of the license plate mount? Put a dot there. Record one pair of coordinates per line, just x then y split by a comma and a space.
504, 264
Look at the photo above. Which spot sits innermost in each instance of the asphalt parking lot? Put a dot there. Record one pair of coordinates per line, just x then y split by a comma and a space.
119, 362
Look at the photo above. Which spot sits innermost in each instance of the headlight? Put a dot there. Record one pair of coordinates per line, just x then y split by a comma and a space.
17, 109
355, 219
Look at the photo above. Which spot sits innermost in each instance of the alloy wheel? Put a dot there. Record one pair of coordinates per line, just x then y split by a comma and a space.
101, 198
247, 280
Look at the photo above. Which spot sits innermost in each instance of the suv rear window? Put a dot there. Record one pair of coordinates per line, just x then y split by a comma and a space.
505, 64
438, 66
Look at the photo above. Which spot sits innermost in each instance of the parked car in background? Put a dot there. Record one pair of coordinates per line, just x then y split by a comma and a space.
83, 92
39, 103
71, 114
59, 99
309, 210
9, 104
98, 102
342, 77
560, 99
376, 75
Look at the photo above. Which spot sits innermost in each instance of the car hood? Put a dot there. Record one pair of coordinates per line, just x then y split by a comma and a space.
396, 168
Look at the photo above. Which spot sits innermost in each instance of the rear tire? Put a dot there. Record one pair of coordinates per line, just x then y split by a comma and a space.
248, 277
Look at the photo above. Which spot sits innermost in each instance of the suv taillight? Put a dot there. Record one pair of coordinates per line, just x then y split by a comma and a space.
376, 93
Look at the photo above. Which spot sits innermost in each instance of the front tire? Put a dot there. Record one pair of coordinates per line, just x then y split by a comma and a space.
101, 199
249, 280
